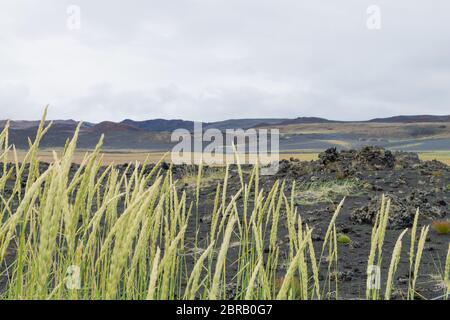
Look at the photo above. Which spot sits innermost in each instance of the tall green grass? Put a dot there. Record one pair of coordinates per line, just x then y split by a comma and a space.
97, 233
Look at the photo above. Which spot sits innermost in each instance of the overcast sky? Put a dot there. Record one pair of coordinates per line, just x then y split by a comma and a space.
218, 59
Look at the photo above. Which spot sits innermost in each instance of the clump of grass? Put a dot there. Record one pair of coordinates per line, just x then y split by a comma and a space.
437, 174
343, 239
376, 248
288, 280
447, 274
441, 227
196, 177
214, 291
294, 287
327, 191
415, 263
393, 266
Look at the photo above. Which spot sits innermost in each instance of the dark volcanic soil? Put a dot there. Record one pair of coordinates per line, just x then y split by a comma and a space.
402, 177
407, 181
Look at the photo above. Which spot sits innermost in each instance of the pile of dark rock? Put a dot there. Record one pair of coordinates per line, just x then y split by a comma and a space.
409, 182
368, 158
403, 209
354, 162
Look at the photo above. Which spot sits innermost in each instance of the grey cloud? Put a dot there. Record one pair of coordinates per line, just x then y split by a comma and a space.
217, 59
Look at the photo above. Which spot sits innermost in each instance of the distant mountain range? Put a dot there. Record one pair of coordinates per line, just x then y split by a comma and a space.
310, 132
412, 119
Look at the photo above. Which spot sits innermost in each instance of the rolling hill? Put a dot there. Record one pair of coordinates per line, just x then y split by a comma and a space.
416, 132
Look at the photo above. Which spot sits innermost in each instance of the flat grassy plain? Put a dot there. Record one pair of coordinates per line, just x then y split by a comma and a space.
443, 156
125, 156
379, 130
